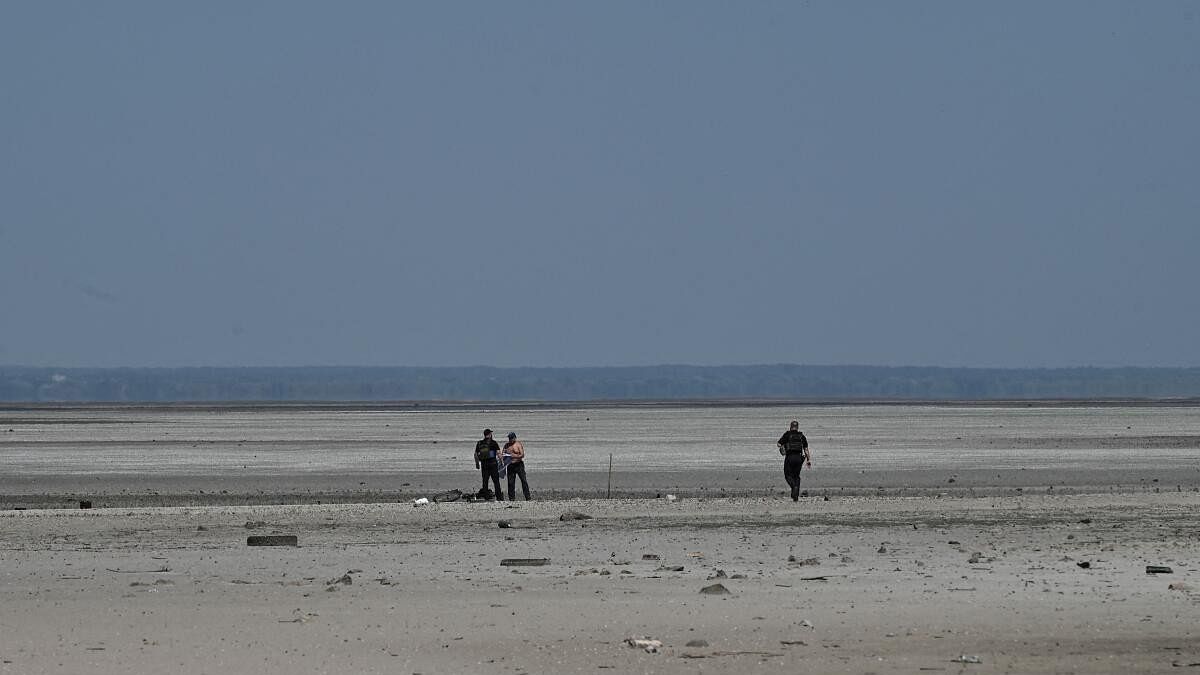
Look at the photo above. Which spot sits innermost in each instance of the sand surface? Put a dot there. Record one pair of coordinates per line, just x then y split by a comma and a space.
865, 584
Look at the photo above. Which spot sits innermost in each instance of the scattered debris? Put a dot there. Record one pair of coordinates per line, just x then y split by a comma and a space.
524, 562
1179, 586
272, 540
672, 498
503, 524
1159, 569
719, 574
574, 515
251, 524
345, 580
157, 571
1084, 564
789, 643
421, 502
807, 624
715, 589
85, 503
967, 659
882, 549
671, 568
448, 496
646, 644
697, 643
650, 556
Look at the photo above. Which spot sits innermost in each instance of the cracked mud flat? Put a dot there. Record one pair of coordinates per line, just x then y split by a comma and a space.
851, 585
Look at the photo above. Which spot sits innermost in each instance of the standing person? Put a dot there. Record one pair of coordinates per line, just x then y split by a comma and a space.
487, 455
515, 452
794, 448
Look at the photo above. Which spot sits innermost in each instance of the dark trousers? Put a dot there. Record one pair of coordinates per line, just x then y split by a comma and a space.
517, 469
491, 469
792, 464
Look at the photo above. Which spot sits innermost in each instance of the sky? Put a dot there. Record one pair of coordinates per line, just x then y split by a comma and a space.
565, 183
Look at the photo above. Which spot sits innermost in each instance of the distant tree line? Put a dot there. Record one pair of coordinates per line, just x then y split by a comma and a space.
129, 385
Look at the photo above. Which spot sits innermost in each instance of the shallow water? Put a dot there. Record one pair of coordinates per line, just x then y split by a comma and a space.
290, 441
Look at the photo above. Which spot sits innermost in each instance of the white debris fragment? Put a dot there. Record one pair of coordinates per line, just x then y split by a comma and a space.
648, 645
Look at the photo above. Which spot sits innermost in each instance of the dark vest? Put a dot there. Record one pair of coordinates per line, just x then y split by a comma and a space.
796, 442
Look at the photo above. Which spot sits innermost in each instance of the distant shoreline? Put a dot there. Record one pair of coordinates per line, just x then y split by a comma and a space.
766, 384
469, 405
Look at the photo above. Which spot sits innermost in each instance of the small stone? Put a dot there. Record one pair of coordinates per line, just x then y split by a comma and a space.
697, 643
715, 589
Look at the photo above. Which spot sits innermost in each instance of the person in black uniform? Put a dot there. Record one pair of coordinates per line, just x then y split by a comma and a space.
794, 448
487, 456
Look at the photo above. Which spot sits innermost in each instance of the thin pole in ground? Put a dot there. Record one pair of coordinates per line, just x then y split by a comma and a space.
609, 476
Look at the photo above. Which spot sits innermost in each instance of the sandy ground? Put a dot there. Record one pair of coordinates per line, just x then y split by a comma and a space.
127, 490
855, 584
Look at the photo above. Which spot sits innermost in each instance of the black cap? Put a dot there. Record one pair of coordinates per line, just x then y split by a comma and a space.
486, 432
512, 434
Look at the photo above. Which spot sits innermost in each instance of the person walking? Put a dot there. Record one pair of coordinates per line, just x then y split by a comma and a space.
487, 456
794, 448
515, 452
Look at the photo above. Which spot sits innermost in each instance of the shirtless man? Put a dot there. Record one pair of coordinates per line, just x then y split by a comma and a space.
516, 466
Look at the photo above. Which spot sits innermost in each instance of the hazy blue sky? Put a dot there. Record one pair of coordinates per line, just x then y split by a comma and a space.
601, 183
